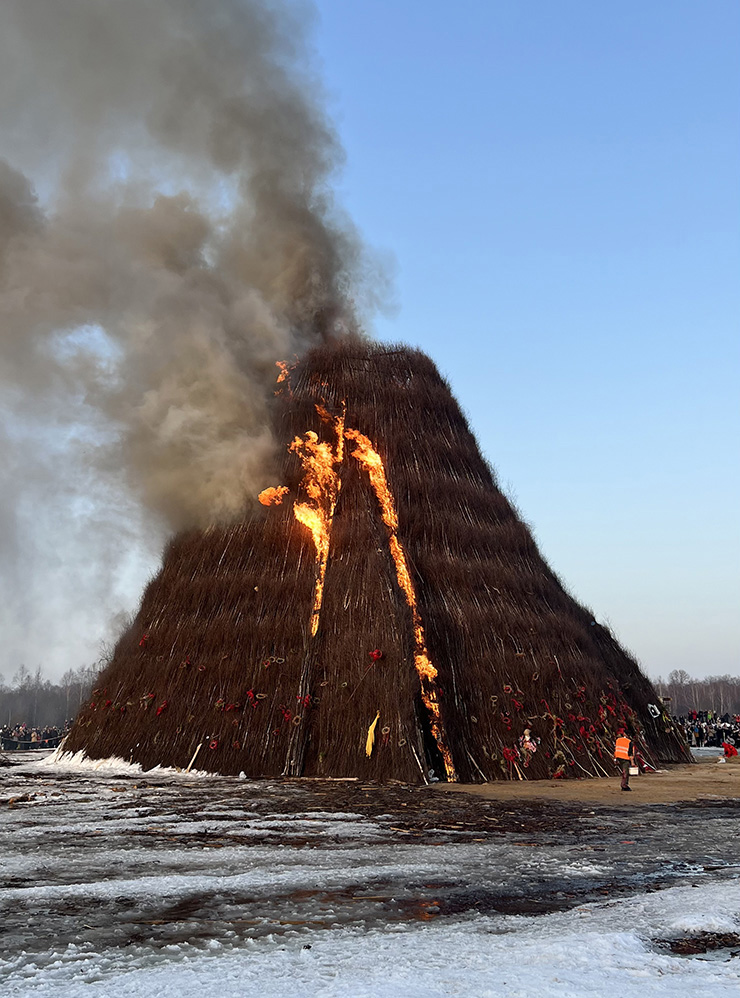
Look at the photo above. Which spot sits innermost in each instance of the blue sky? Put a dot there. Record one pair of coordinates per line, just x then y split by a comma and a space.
558, 186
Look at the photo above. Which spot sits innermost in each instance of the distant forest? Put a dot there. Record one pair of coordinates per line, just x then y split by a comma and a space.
31, 699
717, 693
38, 702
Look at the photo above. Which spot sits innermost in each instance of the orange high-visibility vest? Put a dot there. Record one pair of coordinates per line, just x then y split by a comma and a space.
622, 749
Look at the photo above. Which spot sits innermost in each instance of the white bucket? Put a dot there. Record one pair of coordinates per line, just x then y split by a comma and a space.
634, 771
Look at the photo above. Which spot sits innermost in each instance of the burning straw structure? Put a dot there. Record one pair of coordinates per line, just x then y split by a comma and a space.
383, 614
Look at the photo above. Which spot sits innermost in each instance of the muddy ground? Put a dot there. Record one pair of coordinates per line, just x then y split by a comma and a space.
153, 859
705, 779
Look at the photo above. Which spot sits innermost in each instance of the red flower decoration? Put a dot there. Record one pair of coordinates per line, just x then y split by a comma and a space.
163, 706
376, 654
143, 641
214, 744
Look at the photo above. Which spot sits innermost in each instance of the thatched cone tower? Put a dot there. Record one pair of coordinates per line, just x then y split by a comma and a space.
386, 615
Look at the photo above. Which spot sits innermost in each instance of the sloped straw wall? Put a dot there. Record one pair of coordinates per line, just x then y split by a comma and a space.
220, 662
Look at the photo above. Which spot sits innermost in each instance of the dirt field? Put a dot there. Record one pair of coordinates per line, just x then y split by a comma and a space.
704, 779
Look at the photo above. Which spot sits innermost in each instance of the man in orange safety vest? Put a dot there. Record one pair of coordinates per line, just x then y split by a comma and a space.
624, 755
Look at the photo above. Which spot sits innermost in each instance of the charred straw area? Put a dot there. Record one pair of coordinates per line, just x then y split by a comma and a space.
221, 664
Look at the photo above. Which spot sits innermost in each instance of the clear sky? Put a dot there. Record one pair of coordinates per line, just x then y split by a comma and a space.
558, 185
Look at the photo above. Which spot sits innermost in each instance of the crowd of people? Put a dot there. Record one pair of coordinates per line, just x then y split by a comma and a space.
23, 736
709, 729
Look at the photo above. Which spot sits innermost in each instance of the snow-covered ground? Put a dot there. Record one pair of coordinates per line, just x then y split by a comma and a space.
117, 883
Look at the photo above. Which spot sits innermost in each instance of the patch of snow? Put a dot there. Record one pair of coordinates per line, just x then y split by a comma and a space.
80, 762
691, 925
595, 949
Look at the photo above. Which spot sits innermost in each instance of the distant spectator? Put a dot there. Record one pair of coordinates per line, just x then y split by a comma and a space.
23, 736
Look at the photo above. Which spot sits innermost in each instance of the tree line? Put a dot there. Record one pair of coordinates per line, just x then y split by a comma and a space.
717, 693
31, 699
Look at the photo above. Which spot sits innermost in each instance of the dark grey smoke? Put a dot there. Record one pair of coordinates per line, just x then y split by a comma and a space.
167, 232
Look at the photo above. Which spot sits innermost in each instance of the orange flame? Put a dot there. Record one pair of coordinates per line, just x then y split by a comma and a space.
321, 483
283, 378
337, 424
372, 462
273, 496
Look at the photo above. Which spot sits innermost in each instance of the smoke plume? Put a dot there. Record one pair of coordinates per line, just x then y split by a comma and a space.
167, 232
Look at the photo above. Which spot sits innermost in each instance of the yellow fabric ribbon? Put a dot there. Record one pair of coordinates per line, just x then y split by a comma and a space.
371, 736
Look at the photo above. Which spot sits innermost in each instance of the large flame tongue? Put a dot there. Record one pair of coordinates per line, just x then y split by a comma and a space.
321, 483
371, 461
